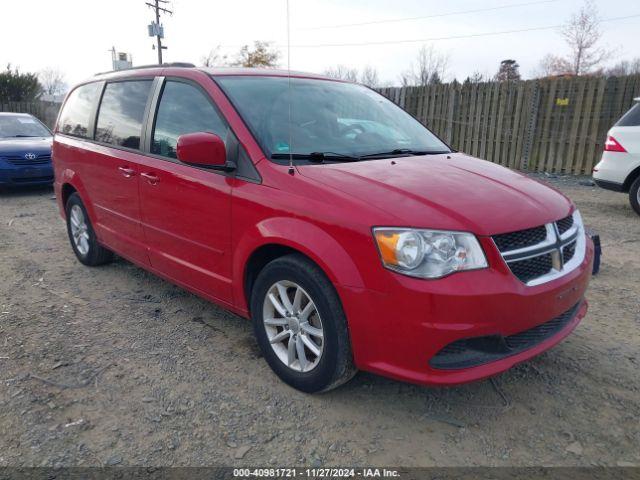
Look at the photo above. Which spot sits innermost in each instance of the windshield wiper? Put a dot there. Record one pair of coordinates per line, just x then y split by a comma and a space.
24, 136
316, 157
401, 152
320, 157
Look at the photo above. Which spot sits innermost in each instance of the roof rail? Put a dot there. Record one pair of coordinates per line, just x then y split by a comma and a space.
140, 67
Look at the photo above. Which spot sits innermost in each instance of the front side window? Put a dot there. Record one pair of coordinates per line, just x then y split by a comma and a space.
121, 113
183, 109
76, 114
310, 116
16, 126
631, 118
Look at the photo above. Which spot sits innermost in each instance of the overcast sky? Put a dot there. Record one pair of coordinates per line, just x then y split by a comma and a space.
75, 35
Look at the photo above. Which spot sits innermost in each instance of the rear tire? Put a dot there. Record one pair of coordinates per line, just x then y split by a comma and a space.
314, 350
82, 236
634, 195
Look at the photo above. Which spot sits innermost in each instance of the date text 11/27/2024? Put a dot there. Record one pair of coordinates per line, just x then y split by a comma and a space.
315, 473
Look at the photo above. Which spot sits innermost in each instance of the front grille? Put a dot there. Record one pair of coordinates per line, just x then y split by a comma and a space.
471, 352
540, 251
535, 335
568, 252
531, 268
565, 224
520, 239
23, 161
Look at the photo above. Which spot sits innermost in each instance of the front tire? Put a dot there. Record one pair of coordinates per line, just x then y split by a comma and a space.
300, 325
82, 236
634, 195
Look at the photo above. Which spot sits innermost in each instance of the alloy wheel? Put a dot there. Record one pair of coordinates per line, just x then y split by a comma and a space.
79, 230
293, 326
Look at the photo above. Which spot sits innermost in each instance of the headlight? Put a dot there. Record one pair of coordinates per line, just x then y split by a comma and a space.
428, 253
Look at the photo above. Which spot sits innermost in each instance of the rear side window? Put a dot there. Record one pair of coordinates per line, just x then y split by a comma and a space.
183, 109
121, 113
631, 118
76, 115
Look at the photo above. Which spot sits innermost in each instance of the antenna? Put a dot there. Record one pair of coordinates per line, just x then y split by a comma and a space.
291, 169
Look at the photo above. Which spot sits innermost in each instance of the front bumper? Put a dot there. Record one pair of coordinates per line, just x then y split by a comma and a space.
26, 175
398, 333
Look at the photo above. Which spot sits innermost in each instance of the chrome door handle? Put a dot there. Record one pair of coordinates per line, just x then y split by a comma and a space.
127, 172
151, 178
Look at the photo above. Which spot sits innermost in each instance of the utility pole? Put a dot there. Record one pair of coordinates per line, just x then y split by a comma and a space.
155, 29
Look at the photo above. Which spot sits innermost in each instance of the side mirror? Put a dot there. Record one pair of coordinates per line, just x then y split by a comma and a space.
203, 149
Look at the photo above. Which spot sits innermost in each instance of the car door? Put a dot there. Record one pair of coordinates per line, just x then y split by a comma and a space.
112, 167
186, 210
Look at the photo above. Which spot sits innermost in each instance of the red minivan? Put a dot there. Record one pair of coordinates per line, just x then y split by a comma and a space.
352, 236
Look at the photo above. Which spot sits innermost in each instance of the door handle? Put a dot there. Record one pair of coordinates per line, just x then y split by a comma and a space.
127, 172
151, 178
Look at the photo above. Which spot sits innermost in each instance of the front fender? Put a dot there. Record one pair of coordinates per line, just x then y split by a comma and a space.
301, 235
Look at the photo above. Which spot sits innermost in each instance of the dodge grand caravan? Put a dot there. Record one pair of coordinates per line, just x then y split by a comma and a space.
352, 236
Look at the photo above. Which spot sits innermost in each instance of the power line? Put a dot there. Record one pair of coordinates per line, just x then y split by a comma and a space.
454, 37
437, 15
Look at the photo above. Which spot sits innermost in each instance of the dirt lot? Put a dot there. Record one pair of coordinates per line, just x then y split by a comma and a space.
113, 366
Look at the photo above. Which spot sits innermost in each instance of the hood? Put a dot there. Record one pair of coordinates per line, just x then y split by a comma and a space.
20, 146
453, 192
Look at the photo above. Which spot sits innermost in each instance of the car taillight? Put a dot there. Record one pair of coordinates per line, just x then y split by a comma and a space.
612, 145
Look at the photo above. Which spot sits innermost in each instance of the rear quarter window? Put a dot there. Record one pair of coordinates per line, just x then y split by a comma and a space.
77, 110
631, 118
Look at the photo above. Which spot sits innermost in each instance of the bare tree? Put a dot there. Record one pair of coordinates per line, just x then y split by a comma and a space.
369, 77
431, 67
214, 58
262, 55
342, 72
52, 81
582, 34
625, 67
406, 78
551, 65
476, 77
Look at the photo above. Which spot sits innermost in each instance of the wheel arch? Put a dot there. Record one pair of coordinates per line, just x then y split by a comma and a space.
66, 191
635, 173
274, 238
258, 259
69, 184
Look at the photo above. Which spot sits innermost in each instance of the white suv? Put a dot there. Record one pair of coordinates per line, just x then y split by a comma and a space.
619, 169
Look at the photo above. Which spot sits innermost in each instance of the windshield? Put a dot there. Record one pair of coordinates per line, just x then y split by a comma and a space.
326, 116
21, 126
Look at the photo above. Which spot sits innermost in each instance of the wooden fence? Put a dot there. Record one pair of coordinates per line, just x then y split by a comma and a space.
46, 112
551, 125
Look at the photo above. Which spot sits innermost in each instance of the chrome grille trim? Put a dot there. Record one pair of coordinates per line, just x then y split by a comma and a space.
553, 244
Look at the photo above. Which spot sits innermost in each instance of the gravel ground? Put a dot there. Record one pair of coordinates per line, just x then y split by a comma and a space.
113, 366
